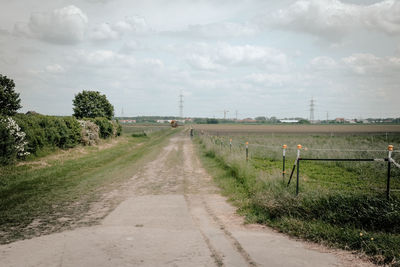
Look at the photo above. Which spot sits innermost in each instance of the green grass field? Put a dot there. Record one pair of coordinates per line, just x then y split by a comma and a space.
55, 192
340, 204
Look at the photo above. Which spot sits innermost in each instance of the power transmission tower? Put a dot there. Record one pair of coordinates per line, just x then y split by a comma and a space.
236, 115
225, 111
181, 105
312, 107
122, 112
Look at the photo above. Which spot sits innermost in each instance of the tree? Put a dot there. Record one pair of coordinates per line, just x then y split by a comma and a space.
261, 119
212, 121
9, 99
92, 104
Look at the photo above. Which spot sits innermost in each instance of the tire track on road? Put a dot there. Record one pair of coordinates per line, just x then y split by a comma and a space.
194, 177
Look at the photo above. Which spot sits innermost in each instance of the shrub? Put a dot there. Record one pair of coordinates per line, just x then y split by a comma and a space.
12, 141
117, 128
139, 134
48, 131
89, 133
7, 152
105, 126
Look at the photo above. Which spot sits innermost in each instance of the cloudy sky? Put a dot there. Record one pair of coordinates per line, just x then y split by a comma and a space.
261, 58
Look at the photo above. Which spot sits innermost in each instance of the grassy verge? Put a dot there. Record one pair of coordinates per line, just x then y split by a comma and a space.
41, 200
348, 219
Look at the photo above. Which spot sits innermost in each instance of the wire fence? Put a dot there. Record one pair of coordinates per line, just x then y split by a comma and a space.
312, 154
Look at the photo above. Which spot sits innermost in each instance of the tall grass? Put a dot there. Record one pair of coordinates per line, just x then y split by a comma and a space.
342, 205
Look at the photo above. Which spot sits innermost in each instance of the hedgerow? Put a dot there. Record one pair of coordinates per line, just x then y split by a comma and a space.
34, 132
49, 131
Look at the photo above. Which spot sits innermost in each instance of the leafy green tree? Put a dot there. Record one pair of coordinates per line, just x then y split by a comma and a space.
212, 121
92, 104
9, 99
261, 119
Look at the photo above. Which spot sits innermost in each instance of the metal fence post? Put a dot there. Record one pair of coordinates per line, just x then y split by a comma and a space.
284, 158
390, 150
247, 151
295, 163
298, 176
298, 168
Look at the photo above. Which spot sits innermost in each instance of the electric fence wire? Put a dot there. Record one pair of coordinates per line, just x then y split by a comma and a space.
314, 149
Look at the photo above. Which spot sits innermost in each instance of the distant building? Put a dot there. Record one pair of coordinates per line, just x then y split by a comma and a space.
289, 121
340, 120
169, 121
248, 120
127, 121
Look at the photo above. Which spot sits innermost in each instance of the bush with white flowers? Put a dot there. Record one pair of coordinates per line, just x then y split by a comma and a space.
18, 136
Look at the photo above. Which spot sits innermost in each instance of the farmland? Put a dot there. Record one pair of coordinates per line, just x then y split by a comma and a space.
339, 203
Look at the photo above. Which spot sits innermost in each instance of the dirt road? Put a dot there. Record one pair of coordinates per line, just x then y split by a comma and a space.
172, 215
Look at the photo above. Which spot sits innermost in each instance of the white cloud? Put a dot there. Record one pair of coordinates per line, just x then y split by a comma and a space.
202, 62
323, 63
111, 59
153, 62
269, 79
208, 57
362, 64
56, 68
97, 57
221, 30
66, 25
106, 31
332, 19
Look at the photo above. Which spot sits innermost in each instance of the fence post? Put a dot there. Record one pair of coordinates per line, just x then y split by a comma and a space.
298, 169
284, 157
390, 150
295, 164
247, 151
230, 145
